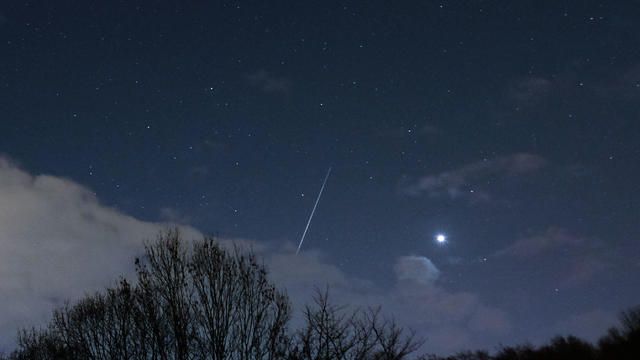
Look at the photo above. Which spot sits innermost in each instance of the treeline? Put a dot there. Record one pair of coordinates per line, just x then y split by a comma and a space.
199, 300
203, 301
622, 343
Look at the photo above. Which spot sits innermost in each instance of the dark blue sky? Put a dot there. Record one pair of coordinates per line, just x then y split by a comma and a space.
511, 127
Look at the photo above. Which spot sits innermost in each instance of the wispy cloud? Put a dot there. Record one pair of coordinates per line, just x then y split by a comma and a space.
624, 84
576, 82
173, 216
269, 83
552, 238
584, 258
467, 181
531, 89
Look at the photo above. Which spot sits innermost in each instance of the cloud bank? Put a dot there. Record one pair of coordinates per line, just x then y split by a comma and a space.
448, 321
57, 243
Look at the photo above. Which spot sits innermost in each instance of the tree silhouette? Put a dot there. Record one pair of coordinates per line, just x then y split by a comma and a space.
618, 344
332, 333
201, 300
198, 302
623, 343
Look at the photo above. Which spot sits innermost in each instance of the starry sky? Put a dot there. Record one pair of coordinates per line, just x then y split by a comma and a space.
512, 128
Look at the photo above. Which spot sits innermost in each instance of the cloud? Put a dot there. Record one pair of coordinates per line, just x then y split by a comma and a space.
173, 216
530, 90
583, 258
417, 268
464, 181
622, 85
449, 321
58, 242
551, 239
577, 82
269, 83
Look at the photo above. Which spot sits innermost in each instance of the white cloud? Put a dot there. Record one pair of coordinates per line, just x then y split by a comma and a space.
57, 242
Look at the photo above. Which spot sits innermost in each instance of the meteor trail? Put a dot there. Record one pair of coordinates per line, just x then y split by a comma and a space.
314, 210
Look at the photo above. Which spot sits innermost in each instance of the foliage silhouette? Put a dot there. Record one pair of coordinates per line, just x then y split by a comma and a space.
201, 300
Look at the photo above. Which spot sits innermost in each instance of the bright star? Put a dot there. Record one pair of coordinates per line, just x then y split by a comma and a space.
440, 238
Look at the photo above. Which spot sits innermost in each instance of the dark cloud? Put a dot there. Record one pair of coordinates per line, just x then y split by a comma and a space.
553, 238
583, 258
467, 181
269, 83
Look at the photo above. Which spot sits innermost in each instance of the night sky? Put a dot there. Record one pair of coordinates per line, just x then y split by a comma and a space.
510, 127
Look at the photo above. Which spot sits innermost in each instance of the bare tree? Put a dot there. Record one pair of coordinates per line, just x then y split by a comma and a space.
190, 301
393, 342
167, 294
240, 314
40, 344
201, 300
332, 333
328, 333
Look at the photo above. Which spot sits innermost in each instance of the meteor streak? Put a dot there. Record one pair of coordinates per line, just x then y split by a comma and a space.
314, 210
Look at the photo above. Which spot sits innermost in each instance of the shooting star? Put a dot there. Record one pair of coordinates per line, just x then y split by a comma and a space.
314, 210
